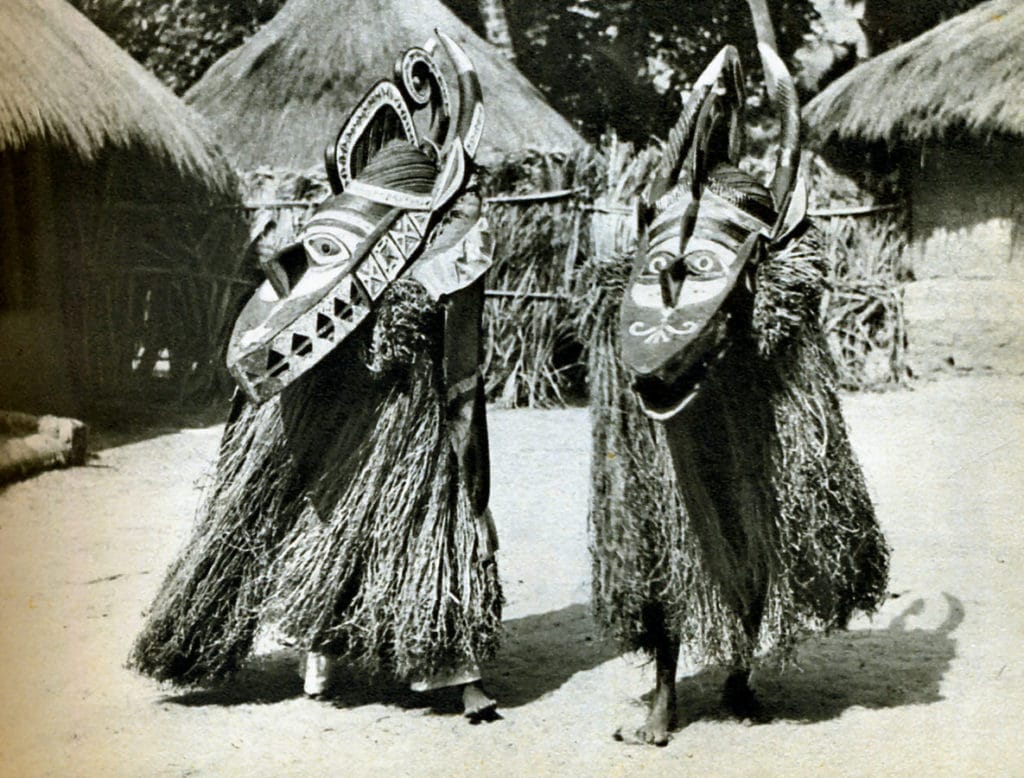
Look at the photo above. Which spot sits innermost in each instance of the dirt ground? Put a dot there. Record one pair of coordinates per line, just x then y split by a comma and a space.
930, 686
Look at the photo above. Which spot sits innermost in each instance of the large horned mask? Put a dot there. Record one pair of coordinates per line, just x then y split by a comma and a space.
702, 226
399, 171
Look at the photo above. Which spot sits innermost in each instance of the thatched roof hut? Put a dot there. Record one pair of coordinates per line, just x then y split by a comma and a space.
944, 110
113, 204
277, 99
966, 74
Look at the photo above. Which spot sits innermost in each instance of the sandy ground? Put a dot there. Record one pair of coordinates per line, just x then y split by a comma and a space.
929, 687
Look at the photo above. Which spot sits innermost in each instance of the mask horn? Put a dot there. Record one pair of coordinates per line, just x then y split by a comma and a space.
680, 137
423, 84
470, 122
782, 92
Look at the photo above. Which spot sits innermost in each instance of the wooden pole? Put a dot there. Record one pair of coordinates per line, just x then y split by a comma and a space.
29, 444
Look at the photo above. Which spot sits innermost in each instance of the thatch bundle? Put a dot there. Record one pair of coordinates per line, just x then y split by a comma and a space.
531, 351
966, 73
867, 269
118, 237
276, 99
613, 218
863, 303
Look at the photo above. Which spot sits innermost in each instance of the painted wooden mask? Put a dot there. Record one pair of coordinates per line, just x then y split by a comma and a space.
702, 226
399, 171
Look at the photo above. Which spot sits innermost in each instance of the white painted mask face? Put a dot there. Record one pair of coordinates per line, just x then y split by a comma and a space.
673, 311
701, 222
400, 163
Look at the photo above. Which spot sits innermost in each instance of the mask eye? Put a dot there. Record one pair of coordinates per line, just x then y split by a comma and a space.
656, 265
325, 250
703, 264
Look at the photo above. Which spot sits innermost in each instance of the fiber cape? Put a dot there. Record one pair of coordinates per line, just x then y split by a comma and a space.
727, 509
817, 544
337, 518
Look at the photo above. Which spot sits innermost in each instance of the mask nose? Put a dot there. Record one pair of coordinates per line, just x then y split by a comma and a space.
672, 277
285, 268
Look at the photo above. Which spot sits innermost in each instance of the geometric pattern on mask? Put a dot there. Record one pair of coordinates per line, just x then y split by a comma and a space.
298, 347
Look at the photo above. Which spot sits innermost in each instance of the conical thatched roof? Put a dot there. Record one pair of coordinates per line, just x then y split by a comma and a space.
281, 96
63, 82
966, 73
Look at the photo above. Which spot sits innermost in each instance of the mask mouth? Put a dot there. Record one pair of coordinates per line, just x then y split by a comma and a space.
663, 397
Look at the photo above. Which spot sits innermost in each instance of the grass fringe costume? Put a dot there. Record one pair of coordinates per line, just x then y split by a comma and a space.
348, 509
728, 513
819, 549
336, 516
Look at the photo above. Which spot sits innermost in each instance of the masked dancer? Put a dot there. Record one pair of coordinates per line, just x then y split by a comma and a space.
348, 510
728, 512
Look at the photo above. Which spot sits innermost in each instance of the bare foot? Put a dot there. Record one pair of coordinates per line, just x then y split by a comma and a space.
655, 731
661, 720
662, 717
739, 699
477, 705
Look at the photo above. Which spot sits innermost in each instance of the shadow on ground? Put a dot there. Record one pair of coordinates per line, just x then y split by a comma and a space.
876, 669
266, 679
110, 431
543, 651
884, 668
540, 653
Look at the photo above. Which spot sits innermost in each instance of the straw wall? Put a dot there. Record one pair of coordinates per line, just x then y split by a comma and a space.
122, 276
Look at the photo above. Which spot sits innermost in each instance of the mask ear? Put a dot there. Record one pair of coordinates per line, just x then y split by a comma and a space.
643, 215
469, 123
749, 255
722, 72
453, 177
782, 92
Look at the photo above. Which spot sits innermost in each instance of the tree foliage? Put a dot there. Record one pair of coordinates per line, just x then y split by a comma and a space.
887, 23
603, 63
178, 39
617, 64
622, 63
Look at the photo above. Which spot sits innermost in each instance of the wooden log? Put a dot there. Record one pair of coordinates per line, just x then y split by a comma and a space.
29, 444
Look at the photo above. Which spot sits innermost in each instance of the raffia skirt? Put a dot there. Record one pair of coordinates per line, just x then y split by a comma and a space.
337, 518
758, 529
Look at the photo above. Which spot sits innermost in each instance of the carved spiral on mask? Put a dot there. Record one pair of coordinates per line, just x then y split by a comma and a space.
419, 78
421, 83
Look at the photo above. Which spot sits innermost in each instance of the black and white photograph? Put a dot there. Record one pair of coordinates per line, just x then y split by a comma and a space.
511, 387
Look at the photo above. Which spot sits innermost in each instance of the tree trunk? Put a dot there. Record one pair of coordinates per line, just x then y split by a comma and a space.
496, 29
